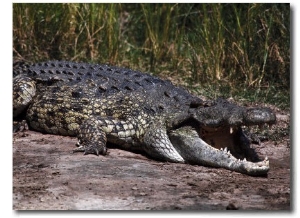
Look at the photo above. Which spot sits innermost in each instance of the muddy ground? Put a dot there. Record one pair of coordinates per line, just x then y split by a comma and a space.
47, 176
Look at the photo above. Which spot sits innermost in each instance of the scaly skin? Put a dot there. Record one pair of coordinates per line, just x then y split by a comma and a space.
100, 104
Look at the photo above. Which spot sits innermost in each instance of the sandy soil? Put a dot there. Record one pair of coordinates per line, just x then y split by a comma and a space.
47, 176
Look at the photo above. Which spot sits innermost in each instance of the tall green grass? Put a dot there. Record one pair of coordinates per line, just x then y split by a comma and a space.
239, 50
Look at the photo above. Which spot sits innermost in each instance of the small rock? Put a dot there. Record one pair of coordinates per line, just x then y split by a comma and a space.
231, 206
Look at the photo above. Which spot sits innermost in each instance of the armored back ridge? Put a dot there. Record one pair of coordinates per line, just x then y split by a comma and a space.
134, 110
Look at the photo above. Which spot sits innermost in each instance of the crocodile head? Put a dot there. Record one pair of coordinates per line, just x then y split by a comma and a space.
221, 113
221, 125
218, 124
213, 136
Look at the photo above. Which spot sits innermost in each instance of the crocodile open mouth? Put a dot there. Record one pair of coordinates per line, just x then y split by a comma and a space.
218, 147
233, 139
219, 125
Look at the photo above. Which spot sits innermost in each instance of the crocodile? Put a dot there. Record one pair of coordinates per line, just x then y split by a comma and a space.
102, 105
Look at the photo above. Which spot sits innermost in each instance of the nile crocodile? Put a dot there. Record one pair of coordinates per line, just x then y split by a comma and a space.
103, 104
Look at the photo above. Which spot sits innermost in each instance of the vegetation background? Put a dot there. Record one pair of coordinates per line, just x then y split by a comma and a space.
230, 50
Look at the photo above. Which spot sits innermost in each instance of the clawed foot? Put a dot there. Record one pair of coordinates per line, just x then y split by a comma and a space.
91, 138
90, 149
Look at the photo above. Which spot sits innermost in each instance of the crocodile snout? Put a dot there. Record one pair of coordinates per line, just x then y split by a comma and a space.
256, 116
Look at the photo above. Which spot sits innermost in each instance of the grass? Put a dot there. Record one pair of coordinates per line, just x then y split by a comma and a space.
231, 50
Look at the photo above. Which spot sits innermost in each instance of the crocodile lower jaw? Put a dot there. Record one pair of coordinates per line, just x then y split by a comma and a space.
195, 150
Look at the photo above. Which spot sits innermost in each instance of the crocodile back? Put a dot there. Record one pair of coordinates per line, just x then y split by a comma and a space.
107, 80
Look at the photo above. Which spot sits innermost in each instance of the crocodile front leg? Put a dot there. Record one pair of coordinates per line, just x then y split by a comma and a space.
195, 151
92, 138
94, 132
158, 145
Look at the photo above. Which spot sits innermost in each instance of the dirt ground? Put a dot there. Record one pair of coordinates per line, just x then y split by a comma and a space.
47, 176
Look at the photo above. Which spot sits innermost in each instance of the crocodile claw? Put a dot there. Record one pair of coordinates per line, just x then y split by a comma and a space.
91, 149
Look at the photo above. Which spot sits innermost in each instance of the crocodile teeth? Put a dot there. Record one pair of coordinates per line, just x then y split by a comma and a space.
266, 158
225, 149
231, 130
